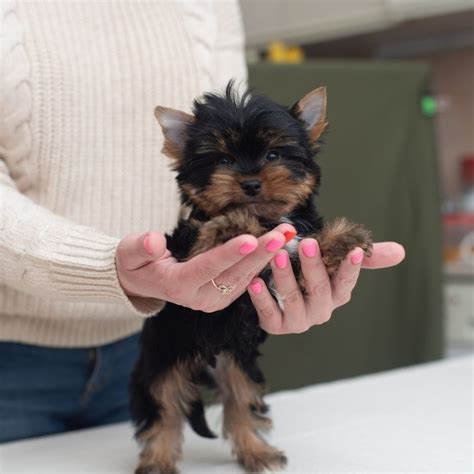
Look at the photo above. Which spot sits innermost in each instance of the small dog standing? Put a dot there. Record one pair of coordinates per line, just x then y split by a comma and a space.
244, 165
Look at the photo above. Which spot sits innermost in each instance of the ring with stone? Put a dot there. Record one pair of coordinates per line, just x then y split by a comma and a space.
224, 289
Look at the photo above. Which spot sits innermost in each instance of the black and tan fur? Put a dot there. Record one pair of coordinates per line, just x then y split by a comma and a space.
244, 164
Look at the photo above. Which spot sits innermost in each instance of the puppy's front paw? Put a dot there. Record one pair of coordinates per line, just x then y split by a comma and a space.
270, 459
153, 469
338, 238
222, 228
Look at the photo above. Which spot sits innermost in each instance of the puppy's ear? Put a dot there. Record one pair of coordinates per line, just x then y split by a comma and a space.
173, 123
311, 109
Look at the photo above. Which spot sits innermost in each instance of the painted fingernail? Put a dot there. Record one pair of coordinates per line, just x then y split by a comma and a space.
256, 287
309, 249
281, 260
147, 245
357, 258
247, 248
274, 245
289, 235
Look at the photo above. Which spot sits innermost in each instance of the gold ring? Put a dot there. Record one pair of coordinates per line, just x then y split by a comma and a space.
224, 289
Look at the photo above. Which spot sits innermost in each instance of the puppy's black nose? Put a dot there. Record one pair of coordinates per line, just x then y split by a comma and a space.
251, 187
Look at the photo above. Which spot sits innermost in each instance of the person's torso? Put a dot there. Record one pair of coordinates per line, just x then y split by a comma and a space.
96, 71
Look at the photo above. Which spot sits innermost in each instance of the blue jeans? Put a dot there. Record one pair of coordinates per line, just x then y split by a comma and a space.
48, 390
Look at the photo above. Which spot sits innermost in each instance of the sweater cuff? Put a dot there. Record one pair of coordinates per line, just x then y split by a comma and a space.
82, 266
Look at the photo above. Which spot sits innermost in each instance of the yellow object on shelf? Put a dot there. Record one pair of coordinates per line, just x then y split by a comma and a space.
280, 53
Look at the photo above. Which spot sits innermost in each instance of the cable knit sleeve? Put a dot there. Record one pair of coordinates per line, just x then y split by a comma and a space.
230, 45
42, 253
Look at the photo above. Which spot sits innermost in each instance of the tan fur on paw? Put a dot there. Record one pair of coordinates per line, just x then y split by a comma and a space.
338, 238
154, 469
258, 462
222, 228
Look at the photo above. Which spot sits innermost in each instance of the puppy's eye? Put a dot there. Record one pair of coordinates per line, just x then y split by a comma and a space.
223, 160
272, 155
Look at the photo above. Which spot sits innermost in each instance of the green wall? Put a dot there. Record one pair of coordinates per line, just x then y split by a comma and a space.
379, 168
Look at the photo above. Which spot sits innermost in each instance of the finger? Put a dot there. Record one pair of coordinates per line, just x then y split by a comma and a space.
136, 250
316, 282
208, 265
240, 274
205, 266
269, 315
384, 254
346, 277
288, 294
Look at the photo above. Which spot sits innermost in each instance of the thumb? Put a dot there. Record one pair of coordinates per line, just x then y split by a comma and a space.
136, 250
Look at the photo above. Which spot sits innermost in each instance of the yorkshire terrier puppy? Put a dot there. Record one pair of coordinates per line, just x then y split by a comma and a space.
244, 165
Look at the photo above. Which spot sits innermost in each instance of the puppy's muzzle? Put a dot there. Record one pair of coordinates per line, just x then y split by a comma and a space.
251, 187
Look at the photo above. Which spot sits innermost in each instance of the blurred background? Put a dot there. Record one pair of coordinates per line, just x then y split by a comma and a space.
398, 157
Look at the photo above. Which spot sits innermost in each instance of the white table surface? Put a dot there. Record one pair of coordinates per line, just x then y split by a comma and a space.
417, 419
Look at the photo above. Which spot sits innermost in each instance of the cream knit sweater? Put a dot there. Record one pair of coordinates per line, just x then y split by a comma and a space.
80, 161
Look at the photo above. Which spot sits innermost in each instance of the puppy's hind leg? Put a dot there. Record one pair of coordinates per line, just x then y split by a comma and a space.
162, 436
244, 417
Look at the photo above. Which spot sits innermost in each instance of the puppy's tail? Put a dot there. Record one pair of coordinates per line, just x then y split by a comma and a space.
197, 420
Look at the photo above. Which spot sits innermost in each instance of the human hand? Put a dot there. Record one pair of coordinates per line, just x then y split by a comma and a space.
323, 295
146, 268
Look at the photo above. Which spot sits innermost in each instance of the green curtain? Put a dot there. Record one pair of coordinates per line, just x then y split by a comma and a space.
378, 168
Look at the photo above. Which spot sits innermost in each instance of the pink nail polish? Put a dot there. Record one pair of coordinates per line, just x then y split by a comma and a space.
256, 287
274, 245
281, 260
147, 245
309, 249
357, 258
247, 248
